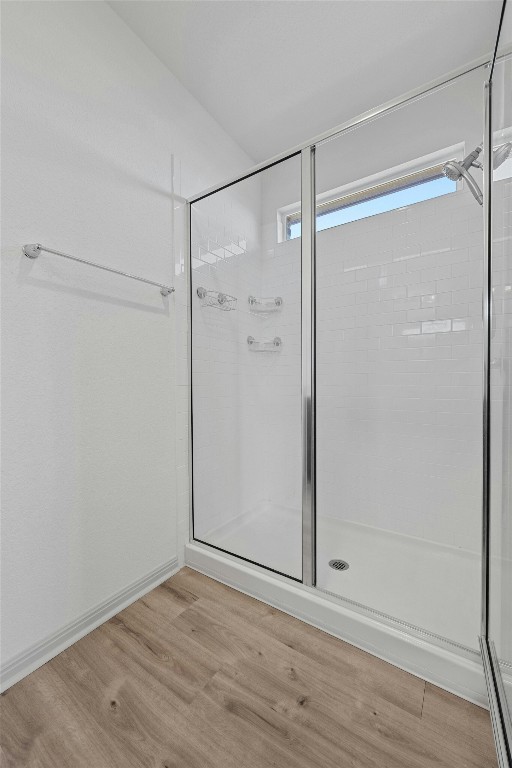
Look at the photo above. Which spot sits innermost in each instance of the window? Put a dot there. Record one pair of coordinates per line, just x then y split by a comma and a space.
381, 198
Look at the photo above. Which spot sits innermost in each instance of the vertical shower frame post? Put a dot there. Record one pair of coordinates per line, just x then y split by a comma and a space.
190, 425
308, 238
487, 321
500, 715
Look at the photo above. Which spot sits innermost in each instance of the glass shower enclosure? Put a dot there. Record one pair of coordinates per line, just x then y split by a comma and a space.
347, 390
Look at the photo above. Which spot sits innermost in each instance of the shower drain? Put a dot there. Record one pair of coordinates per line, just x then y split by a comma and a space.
338, 565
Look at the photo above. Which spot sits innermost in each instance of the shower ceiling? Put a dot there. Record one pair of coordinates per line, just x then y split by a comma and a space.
274, 74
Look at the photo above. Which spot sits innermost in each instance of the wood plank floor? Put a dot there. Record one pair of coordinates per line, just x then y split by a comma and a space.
197, 675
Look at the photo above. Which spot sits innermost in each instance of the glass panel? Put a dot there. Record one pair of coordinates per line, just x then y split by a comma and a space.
246, 369
399, 373
500, 630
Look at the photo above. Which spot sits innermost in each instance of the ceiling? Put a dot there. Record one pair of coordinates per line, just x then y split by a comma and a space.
275, 73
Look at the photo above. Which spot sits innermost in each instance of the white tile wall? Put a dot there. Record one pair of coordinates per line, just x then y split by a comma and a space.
399, 371
283, 462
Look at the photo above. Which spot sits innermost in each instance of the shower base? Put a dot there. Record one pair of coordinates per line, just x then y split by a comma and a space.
269, 535
422, 583
431, 586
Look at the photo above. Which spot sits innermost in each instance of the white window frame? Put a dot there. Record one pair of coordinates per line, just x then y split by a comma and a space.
400, 177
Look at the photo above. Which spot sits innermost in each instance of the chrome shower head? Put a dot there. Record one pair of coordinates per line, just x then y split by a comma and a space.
501, 154
454, 171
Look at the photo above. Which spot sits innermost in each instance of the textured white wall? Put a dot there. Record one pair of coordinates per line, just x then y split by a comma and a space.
97, 135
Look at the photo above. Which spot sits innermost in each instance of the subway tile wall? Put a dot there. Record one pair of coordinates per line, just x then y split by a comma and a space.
399, 371
281, 272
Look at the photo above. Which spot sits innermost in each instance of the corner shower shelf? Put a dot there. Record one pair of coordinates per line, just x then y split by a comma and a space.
264, 345
222, 301
264, 305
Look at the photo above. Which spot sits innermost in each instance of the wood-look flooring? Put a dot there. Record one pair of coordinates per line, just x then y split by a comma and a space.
197, 675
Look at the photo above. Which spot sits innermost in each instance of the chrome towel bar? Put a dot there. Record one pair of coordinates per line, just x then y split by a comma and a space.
33, 250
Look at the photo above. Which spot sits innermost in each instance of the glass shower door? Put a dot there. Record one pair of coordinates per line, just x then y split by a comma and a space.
399, 274
246, 369
500, 371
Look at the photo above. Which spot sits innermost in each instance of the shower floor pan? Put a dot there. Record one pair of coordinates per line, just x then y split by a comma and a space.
431, 586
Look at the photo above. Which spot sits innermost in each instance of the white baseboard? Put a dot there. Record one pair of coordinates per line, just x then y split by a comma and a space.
21, 665
459, 673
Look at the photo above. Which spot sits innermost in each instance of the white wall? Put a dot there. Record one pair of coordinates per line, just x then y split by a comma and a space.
99, 141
